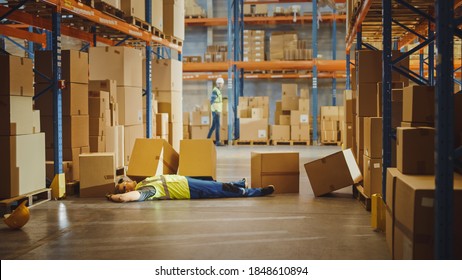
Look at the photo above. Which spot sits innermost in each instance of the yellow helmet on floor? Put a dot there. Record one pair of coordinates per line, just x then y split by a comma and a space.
19, 217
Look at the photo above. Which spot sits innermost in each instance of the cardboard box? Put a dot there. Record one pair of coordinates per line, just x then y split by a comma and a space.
329, 125
16, 76
130, 103
70, 155
74, 100
419, 104
413, 124
36, 127
360, 133
74, 66
173, 16
392, 174
253, 130
304, 105
175, 134
115, 143
333, 172
289, 90
415, 150
131, 133
168, 75
98, 104
280, 132
284, 119
22, 173
257, 113
97, 174
199, 131
349, 143
126, 65
372, 171
76, 130
200, 118
370, 67
299, 118
366, 100
16, 115
157, 13
275, 168
300, 132
98, 127
162, 124
133, 8
172, 103
289, 102
329, 113
373, 137
329, 136
396, 96
105, 85
304, 93
186, 118
190, 151
97, 144
152, 157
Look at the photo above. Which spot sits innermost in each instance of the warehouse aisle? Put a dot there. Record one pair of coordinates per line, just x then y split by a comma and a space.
279, 227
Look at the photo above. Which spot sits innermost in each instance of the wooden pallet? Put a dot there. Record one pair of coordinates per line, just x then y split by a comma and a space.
358, 193
138, 23
90, 3
290, 143
109, 10
256, 72
251, 142
157, 32
283, 72
331, 143
194, 16
174, 40
33, 199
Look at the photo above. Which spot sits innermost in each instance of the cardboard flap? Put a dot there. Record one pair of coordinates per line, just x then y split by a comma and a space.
356, 175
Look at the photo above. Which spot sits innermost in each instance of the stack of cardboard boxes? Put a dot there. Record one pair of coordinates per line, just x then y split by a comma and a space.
75, 118
254, 45
126, 71
200, 121
173, 18
256, 10
193, 10
253, 115
215, 53
330, 120
287, 46
136, 8
22, 146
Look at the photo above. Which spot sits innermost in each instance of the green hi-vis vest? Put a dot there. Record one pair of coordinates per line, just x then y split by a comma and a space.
167, 187
217, 105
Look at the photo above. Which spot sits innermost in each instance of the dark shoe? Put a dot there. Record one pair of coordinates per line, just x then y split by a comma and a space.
219, 144
246, 183
267, 190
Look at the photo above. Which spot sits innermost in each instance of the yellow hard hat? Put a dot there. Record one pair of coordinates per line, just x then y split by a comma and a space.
19, 217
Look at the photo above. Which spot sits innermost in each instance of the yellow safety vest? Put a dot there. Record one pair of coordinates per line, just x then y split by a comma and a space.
167, 187
217, 105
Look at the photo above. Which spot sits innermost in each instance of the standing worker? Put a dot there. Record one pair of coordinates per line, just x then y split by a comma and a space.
216, 105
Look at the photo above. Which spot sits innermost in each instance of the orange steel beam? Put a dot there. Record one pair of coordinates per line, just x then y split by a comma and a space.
359, 20
21, 34
16, 25
205, 77
283, 1
260, 20
323, 65
31, 20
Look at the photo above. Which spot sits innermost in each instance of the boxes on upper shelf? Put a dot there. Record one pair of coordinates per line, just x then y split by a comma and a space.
74, 66
16, 76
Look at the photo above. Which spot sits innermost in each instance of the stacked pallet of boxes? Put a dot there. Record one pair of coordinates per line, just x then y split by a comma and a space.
173, 18
253, 118
200, 121
194, 10
287, 46
133, 8
215, 53
254, 45
167, 85
256, 10
75, 120
126, 71
330, 120
22, 146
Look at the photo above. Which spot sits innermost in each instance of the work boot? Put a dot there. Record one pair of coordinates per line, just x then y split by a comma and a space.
219, 144
267, 190
246, 183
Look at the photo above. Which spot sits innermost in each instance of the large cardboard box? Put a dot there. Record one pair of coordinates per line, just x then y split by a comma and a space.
76, 131
304, 105
372, 175
419, 104
200, 118
134, 8
253, 130
22, 173
370, 67
167, 75
289, 89
131, 133
97, 174
115, 143
299, 118
174, 18
366, 100
373, 137
200, 131
329, 125
74, 100
105, 85
98, 105
130, 105
415, 150
173, 105
98, 127
16, 115
74, 66
280, 169
125, 65
280, 132
152, 157
289, 102
333, 172
392, 174
350, 109
300, 132
360, 133
329, 113
190, 151
157, 13
16, 76
97, 144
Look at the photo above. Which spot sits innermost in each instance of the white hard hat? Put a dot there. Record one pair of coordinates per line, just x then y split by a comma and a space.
220, 81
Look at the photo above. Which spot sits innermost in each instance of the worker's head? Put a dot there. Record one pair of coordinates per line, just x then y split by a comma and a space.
124, 184
220, 82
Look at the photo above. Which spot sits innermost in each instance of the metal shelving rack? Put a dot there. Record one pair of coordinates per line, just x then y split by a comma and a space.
111, 31
418, 19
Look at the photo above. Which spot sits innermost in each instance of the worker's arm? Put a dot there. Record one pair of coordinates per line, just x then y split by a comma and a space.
213, 97
126, 197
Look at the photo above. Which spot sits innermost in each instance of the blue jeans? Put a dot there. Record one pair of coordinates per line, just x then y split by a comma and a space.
212, 189
215, 126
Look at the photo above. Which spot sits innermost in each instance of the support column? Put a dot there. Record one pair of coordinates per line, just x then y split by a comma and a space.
334, 57
431, 56
148, 14
348, 70
314, 96
231, 101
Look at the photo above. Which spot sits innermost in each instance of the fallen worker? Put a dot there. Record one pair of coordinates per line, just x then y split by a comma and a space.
180, 187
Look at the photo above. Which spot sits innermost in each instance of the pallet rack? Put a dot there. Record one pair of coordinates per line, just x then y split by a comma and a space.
87, 24
396, 24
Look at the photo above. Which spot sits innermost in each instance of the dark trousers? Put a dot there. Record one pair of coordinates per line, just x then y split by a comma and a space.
212, 189
215, 126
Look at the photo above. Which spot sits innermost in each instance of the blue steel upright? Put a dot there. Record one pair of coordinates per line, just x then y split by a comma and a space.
444, 152
386, 90
314, 39
230, 71
431, 56
148, 13
334, 57
57, 95
238, 34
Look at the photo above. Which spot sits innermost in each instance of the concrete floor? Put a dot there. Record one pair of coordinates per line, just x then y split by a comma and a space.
288, 226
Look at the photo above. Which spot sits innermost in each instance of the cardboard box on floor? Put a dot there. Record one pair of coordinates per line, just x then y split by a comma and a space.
97, 174
280, 169
16, 76
415, 150
198, 158
333, 172
152, 157
16, 115
74, 100
74, 66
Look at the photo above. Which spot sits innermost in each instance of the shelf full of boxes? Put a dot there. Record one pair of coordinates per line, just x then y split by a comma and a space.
101, 90
400, 138
289, 57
